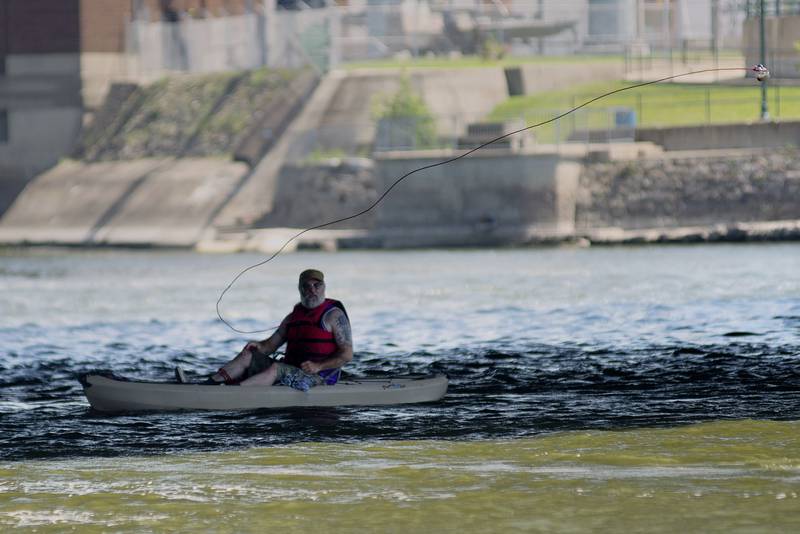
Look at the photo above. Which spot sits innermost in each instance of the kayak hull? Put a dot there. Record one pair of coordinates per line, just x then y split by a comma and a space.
114, 394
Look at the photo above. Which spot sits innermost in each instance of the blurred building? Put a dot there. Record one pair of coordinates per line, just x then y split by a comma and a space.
59, 57
663, 25
40, 87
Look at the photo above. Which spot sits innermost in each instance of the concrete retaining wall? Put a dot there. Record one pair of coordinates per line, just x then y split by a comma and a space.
484, 199
492, 197
159, 202
67, 204
454, 96
40, 95
311, 195
729, 136
539, 77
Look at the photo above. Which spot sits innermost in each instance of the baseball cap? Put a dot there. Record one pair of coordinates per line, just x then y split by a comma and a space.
312, 273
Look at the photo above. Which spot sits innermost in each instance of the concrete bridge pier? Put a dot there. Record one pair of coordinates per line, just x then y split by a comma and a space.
488, 198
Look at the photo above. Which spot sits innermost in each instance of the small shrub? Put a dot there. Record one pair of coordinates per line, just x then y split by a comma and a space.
406, 107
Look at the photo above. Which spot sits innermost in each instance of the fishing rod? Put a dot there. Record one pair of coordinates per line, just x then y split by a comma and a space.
761, 74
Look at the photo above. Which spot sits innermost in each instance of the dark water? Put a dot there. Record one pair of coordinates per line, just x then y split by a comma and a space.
534, 341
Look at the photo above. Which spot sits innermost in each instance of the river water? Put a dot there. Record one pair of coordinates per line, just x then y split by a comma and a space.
641, 388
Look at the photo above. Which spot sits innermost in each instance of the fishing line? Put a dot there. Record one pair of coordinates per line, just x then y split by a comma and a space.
761, 75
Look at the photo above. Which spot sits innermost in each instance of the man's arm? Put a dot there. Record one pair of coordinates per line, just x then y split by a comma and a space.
236, 367
337, 321
273, 342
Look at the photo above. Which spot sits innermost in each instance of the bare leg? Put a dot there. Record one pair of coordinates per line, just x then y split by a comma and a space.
264, 378
236, 367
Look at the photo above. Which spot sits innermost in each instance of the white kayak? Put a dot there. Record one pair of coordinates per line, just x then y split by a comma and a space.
108, 393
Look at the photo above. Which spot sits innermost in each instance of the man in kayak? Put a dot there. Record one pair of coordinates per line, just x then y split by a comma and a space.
318, 343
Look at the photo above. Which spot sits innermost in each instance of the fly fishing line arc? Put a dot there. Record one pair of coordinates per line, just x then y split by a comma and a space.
761, 74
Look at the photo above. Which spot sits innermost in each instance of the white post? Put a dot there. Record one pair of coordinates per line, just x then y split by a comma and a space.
270, 44
335, 33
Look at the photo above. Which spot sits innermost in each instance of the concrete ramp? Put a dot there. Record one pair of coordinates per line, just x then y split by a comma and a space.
339, 116
454, 97
347, 123
174, 205
540, 77
66, 204
153, 202
255, 197
459, 96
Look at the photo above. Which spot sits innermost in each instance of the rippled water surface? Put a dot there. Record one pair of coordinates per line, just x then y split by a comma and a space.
532, 340
711, 477
574, 346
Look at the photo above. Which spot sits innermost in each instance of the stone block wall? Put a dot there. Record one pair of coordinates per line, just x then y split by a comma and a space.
690, 191
724, 136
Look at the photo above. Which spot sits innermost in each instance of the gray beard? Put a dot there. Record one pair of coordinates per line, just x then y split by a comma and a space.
311, 302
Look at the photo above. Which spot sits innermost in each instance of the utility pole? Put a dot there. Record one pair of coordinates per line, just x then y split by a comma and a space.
715, 39
763, 61
715, 28
640, 20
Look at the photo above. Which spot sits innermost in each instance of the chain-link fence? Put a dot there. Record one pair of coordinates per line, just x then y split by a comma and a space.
772, 8
598, 124
271, 38
331, 35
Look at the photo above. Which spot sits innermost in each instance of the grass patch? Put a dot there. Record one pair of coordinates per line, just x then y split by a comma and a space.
321, 155
668, 104
475, 61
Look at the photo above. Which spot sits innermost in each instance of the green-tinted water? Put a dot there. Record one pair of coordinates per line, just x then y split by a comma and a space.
736, 476
561, 362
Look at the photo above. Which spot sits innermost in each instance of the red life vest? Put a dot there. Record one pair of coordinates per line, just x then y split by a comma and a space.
306, 337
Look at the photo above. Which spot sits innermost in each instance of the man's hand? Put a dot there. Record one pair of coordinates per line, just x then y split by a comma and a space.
311, 367
271, 344
253, 346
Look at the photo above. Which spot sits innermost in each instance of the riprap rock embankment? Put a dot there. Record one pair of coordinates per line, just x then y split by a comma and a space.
692, 196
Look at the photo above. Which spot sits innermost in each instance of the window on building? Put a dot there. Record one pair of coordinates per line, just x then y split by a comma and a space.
3, 126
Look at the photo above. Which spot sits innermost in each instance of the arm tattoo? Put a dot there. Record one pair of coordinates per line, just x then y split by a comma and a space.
342, 331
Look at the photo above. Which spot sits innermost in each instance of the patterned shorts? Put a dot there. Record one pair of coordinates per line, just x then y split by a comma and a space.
287, 374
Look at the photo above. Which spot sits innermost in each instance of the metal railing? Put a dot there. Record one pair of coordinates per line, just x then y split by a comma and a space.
337, 34
588, 125
772, 8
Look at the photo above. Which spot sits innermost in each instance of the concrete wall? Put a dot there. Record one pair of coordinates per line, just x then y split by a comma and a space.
39, 137
454, 96
41, 97
311, 195
174, 204
68, 203
460, 95
718, 136
485, 198
163, 202
548, 77
260, 37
